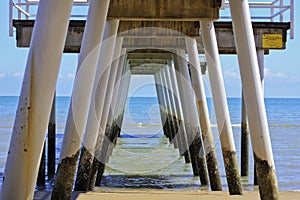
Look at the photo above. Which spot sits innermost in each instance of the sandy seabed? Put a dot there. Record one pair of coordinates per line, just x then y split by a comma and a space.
167, 195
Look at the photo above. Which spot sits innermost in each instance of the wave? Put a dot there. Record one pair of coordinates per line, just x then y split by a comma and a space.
285, 125
124, 135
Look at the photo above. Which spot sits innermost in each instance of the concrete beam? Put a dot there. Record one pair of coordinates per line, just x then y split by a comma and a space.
188, 10
263, 34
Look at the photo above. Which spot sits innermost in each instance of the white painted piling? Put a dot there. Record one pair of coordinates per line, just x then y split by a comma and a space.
81, 97
120, 109
245, 129
181, 133
172, 115
35, 101
187, 97
163, 106
220, 104
161, 103
97, 105
108, 143
102, 140
121, 69
260, 57
198, 85
168, 112
253, 93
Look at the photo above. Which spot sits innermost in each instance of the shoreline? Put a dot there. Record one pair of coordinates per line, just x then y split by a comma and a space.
166, 195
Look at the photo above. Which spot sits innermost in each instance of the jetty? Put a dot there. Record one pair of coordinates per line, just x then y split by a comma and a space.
117, 39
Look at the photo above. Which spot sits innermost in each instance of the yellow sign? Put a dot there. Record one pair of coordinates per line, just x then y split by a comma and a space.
272, 41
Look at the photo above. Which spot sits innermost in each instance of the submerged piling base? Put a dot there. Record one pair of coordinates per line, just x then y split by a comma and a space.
63, 189
84, 170
265, 176
232, 173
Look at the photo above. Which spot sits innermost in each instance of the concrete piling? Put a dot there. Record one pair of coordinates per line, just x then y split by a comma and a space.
198, 85
181, 133
109, 137
171, 105
95, 115
81, 96
116, 128
187, 96
51, 153
253, 94
169, 120
221, 106
34, 106
41, 179
244, 141
261, 60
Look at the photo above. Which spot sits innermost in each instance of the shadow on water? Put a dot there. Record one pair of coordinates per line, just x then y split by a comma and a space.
149, 182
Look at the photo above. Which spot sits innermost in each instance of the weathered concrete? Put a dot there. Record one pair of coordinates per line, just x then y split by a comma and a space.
224, 34
52, 140
181, 132
198, 85
244, 141
93, 136
63, 189
187, 97
254, 99
41, 179
189, 10
221, 105
81, 98
33, 111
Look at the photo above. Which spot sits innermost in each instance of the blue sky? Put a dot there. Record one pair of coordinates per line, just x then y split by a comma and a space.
282, 68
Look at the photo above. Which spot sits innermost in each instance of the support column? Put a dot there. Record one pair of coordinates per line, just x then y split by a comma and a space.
244, 141
116, 131
191, 121
81, 97
165, 111
181, 134
41, 179
258, 125
38, 88
172, 114
52, 140
261, 60
96, 114
221, 106
107, 144
197, 80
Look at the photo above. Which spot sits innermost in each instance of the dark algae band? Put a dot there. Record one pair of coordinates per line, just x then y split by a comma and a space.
267, 182
232, 173
64, 178
84, 170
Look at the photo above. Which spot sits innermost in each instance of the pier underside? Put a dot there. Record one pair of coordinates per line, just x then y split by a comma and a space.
166, 35
121, 38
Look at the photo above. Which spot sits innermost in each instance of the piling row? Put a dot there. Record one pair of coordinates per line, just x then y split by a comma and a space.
99, 99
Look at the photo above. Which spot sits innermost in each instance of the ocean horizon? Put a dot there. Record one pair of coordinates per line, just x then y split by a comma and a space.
135, 162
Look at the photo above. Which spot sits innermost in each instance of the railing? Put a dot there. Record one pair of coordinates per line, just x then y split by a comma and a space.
271, 10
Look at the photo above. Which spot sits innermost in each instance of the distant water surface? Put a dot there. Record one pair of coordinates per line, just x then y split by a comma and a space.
144, 158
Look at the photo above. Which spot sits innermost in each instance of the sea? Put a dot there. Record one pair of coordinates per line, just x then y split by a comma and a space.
143, 157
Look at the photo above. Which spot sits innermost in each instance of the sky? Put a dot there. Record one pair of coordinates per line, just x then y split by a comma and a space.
282, 67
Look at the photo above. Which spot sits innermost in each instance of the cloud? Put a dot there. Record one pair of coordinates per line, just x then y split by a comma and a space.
70, 75
276, 75
232, 74
2, 75
18, 74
